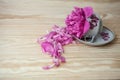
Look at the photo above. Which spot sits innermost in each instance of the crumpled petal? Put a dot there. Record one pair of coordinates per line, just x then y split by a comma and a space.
47, 47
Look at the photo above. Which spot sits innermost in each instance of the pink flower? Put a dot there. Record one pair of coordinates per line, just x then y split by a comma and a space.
77, 23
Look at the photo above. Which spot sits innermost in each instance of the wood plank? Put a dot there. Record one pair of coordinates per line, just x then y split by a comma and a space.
21, 58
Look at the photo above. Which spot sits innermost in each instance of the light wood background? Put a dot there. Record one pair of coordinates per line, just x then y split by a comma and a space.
23, 21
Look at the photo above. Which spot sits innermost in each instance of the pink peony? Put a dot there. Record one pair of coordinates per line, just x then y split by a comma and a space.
77, 23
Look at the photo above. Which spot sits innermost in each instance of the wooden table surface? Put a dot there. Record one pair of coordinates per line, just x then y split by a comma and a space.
23, 21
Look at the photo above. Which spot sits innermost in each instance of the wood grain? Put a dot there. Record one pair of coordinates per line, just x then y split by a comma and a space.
23, 21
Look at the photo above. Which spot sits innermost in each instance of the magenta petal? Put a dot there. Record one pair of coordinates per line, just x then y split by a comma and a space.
88, 11
47, 47
86, 27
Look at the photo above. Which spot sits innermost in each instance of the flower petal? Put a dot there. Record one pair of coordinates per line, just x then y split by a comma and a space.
88, 11
47, 47
86, 27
